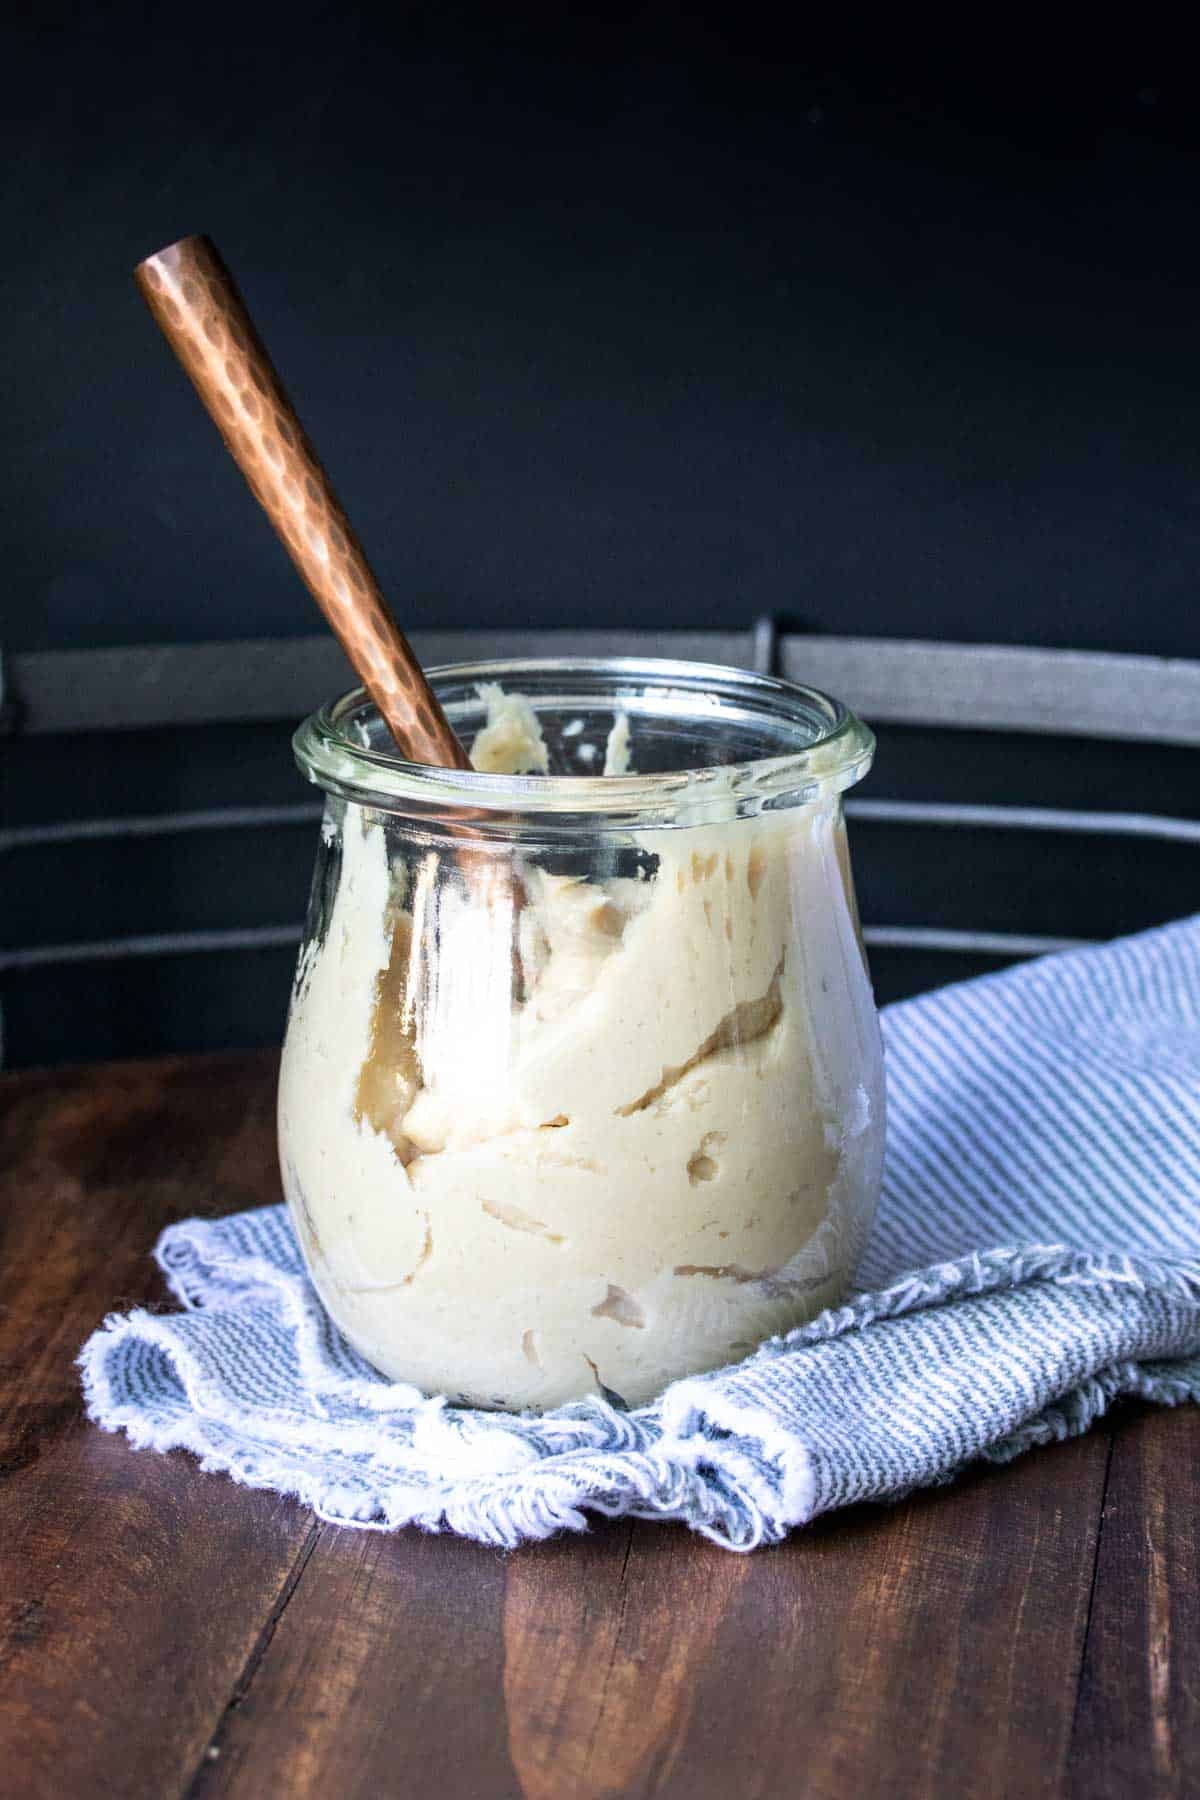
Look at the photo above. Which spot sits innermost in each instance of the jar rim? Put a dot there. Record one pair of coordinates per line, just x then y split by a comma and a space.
829, 748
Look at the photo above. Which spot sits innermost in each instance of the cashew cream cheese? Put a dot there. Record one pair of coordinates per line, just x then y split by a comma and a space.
625, 1138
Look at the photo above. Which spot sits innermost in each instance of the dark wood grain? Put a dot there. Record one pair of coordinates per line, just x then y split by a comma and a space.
132, 1589
1137, 1726
383, 1676
889, 1652
163, 1632
926, 1649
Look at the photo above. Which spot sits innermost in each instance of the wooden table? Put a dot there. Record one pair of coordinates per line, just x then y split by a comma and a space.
1029, 1631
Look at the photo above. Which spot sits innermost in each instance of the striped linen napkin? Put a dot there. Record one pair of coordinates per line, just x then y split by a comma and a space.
1037, 1253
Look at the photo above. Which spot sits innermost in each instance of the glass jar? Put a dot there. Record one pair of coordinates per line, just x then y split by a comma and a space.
582, 1088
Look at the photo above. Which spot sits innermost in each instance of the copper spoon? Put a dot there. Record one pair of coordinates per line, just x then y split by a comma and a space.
203, 317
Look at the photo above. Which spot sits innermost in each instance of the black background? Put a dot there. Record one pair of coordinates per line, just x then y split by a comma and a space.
616, 320
641, 319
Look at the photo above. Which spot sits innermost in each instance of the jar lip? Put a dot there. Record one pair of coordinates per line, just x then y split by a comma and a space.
833, 749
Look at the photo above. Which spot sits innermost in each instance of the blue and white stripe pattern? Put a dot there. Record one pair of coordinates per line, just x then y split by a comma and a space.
1037, 1253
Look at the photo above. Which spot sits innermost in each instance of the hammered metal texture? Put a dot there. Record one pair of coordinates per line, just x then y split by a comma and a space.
194, 299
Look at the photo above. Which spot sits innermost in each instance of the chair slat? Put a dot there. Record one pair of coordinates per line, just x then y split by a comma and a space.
895, 681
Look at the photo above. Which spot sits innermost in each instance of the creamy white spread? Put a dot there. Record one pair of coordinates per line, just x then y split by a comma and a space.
653, 1145
511, 742
617, 760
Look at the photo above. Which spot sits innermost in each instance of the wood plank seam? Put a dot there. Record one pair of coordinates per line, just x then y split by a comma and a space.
623, 1590
254, 1661
1087, 1623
